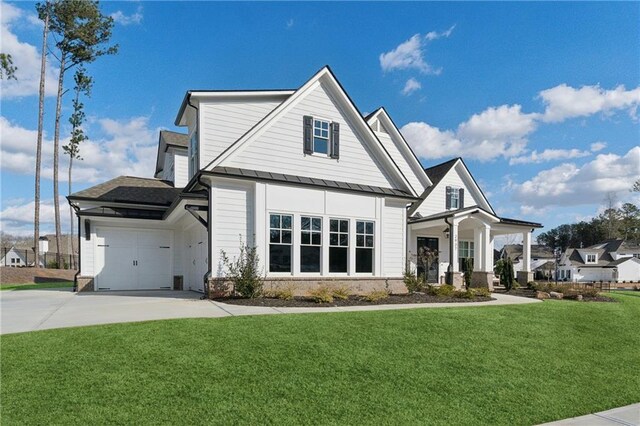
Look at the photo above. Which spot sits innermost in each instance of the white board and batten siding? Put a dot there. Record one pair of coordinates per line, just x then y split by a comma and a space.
223, 122
233, 220
394, 226
180, 168
436, 201
279, 148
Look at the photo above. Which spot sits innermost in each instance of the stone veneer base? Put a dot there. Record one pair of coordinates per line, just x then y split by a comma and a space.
85, 284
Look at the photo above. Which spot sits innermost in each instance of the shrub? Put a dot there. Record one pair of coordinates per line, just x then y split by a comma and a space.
468, 272
431, 290
376, 295
322, 294
636, 288
463, 294
285, 293
481, 292
243, 271
341, 292
445, 290
411, 281
531, 285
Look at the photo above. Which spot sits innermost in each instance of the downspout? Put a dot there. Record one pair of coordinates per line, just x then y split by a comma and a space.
208, 275
449, 278
75, 277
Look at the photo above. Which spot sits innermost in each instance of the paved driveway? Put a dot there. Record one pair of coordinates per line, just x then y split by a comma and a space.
29, 310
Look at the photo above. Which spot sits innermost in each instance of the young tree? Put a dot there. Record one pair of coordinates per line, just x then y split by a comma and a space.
7, 69
72, 149
81, 32
44, 13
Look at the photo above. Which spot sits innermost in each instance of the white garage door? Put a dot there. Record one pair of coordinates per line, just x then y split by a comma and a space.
129, 259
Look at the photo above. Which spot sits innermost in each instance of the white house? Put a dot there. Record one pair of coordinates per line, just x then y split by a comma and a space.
14, 257
613, 261
543, 260
323, 193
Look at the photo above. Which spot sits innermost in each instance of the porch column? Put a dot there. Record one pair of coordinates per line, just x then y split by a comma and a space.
483, 258
525, 275
454, 247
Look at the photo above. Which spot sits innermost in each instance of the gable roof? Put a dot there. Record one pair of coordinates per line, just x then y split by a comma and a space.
439, 171
514, 251
166, 139
383, 116
326, 75
603, 250
132, 190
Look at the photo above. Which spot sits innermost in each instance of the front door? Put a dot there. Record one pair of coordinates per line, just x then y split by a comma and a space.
427, 261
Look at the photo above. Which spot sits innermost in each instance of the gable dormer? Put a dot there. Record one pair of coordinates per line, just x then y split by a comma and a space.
453, 189
589, 257
171, 161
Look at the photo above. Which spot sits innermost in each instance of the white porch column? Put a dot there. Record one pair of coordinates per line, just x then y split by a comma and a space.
487, 249
454, 246
478, 248
526, 251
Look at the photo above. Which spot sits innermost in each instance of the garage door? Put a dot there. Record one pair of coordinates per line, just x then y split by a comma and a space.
128, 259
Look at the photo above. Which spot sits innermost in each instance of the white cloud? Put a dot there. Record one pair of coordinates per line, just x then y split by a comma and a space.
497, 131
563, 102
549, 155
127, 147
568, 184
598, 146
17, 218
411, 86
119, 17
409, 55
434, 35
26, 57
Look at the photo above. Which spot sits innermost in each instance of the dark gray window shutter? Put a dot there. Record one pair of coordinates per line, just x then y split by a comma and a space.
307, 123
461, 196
335, 140
448, 198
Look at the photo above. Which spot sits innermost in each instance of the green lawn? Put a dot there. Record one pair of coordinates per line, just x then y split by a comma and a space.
485, 365
52, 284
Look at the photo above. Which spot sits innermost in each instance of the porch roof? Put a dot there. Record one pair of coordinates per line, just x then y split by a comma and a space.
472, 210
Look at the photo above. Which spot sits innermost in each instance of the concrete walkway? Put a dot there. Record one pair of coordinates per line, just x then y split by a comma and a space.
626, 416
30, 310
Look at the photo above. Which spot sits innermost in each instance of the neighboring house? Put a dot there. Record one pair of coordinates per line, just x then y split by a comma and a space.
613, 260
323, 193
542, 260
23, 254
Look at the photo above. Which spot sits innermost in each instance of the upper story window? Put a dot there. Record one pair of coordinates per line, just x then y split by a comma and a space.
592, 258
194, 162
321, 137
454, 198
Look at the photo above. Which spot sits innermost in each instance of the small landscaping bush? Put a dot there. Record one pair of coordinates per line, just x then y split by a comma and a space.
322, 294
341, 292
285, 293
481, 292
243, 271
431, 290
445, 290
463, 294
376, 295
468, 272
412, 282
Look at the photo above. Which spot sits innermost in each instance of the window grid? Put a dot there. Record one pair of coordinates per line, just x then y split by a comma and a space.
364, 234
465, 249
320, 136
311, 231
280, 229
339, 233
455, 198
591, 258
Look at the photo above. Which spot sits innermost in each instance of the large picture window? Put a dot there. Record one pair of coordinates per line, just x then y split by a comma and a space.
310, 243
280, 242
338, 245
364, 246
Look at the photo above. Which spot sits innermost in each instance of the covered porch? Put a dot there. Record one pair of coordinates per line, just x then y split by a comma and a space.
441, 247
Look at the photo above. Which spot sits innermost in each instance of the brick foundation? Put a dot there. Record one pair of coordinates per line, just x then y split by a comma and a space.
85, 284
458, 279
301, 286
481, 279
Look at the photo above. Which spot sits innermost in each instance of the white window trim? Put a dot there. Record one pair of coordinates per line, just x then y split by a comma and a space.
293, 245
455, 190
595, 257
350, 244
373, 249
320, 246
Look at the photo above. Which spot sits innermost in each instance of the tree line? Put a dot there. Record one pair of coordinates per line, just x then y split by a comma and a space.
613, 223
75, 34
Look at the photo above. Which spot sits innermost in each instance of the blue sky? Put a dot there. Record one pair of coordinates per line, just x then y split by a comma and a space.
540, 99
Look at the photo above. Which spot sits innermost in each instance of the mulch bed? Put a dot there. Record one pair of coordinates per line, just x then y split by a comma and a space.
305, 302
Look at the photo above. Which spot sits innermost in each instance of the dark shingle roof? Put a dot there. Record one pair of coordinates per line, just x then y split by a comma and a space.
129, 189
302, 180
174, 138
436, 173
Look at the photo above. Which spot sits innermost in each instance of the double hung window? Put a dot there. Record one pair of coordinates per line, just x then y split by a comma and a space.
280, 242
364, 246
310, 243
338, 245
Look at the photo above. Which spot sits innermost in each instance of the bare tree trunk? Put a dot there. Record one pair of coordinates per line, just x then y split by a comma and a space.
36, 219
56, 157
72, 259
